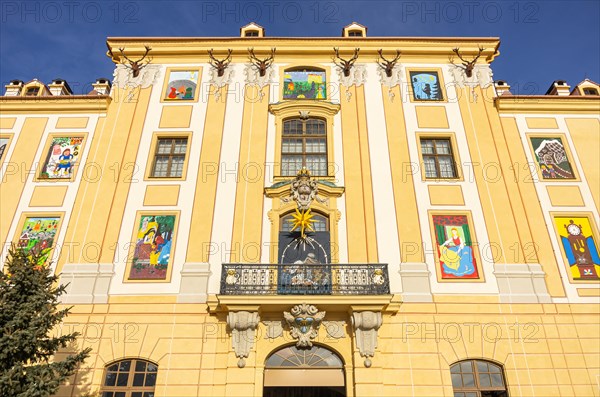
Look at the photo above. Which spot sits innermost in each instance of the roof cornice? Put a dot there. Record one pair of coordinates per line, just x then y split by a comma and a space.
547, 104
59, 104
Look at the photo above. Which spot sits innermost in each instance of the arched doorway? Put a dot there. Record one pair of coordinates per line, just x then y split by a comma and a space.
311, 372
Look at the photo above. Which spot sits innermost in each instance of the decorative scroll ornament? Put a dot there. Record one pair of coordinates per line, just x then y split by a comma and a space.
365, 326
304, 190
357, 77
242, 325
232, 277
482, 75
304, 321
391, 81
217, 82
253, 77
335, 329
274, 329
123, 76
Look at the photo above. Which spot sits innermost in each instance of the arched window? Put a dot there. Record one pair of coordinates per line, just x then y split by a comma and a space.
315, 371
477, 378
320, 224
316, 356
304, 144
129, 378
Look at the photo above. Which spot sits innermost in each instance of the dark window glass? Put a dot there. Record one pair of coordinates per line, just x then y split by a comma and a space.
169, 157
304, 144
477, 378
355, 33
32, 91
590, 91
129, 378
251, 33
438, 159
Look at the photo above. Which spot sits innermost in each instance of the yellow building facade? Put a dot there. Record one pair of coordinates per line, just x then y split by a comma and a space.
451, 228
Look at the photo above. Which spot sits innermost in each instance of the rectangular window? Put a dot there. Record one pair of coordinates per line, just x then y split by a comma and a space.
438, 159
169, 157
32, 91
304, 144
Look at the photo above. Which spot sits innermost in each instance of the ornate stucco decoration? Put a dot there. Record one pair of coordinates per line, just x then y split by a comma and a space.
365, 325
303, 190
391, 81
304, 321
253, 77
482, 75
274, 329
335, 329
217, 82
123, 76
242, 325
357, 77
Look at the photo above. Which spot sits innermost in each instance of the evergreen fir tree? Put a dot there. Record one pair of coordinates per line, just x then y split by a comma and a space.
28, 315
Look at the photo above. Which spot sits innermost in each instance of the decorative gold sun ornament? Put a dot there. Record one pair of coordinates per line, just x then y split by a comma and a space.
302, 220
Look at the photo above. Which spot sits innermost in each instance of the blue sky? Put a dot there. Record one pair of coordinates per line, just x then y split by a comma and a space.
542, 41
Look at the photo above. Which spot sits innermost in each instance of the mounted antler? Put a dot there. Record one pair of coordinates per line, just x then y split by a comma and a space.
261, 65
467, 66
386, 64
135, 66
220, 64
343, 64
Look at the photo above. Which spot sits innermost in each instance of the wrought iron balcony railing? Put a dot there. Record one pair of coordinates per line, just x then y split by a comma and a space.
304, 279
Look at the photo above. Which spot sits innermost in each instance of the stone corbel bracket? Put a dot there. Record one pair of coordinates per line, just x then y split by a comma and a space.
366, 324
243, 326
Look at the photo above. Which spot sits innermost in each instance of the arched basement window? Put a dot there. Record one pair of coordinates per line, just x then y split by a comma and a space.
129, 378
478, 378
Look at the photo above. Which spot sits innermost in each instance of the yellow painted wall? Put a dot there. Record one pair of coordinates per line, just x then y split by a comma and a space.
546, 350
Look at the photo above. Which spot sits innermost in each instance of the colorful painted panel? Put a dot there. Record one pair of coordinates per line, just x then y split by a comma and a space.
63, 154
3, 146
426, 86
182, 85
153, 248
309, 84
455, 247
552, 158
579, 245
38, 234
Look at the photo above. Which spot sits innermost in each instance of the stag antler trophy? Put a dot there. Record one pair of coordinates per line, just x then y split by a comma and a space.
135, 66
262, 65
343, 64
467, 66
220, 64
386, 64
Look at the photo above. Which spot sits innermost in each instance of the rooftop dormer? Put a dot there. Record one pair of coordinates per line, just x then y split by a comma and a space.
355, 29
35, 88
252, 30
587, 88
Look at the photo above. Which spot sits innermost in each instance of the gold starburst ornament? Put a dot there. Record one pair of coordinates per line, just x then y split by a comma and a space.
303, 221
